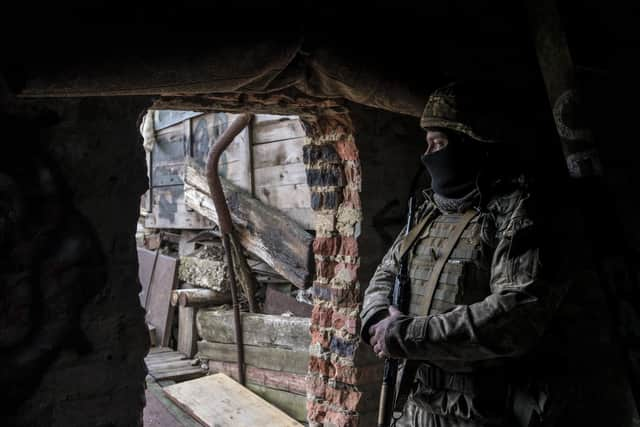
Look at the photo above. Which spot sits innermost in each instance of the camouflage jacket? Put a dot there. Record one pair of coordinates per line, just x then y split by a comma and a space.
507, 323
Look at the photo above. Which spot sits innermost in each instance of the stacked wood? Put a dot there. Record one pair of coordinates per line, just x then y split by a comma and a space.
263, 231
163, 363
276, 354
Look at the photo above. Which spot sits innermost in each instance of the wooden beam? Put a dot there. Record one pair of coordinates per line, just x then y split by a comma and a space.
258, 329
275, 359
265, 232
187, 331
559, 75
285, 381
199, 297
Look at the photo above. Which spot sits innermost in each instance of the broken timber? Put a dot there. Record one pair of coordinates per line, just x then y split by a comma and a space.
263, 231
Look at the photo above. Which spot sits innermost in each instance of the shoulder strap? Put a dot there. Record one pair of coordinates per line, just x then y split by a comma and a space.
411, 237
442, 260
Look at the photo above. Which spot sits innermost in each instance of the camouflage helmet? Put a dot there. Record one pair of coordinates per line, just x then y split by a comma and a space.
462, 108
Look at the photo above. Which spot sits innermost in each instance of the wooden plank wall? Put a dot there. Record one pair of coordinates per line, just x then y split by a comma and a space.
264, 159
279, 175
166, 195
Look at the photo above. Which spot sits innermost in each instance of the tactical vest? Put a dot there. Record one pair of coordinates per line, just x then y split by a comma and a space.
466, 274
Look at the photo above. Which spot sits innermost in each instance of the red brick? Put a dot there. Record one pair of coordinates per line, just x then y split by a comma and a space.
346, 297
327, 246
325, 268
348, 246
340, 419
350, 323
347, 374
321, 316
317, 386
321, 366
320, 337
316, 411
347, 149
343, 398
338, 245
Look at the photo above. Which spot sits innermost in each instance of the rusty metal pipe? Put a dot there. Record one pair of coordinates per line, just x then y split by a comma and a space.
215, 187
226, 226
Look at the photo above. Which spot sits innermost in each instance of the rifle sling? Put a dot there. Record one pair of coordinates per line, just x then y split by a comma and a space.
411, 237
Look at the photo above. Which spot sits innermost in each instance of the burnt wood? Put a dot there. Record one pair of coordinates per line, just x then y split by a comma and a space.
263, 231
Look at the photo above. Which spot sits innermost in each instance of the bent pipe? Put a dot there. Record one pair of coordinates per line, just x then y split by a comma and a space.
225, 224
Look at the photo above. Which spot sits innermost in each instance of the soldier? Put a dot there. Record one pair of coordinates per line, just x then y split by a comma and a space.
481, 299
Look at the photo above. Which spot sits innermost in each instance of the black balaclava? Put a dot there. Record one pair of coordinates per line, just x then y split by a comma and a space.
454, 169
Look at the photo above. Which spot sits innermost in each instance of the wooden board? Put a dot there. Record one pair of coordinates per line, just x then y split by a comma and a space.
285, 381
304, 217
217, 400
257, 329
154, 351
167, 364
261, 118
293, 173
165, 118
278, 153
187, 332
292, 404
168, 210
277, 302
157, 300
275, 359
294, 196
174, 415
262, 230
277, 130
204, 129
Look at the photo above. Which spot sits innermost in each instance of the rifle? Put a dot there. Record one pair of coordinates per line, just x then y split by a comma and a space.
399, 299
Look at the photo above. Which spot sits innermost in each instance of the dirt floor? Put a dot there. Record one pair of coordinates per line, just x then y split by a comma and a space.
161, 412
156, 414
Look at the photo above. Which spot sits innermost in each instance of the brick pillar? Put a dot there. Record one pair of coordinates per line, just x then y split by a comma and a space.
343, 381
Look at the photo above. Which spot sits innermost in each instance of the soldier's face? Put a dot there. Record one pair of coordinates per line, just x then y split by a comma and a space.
436, 141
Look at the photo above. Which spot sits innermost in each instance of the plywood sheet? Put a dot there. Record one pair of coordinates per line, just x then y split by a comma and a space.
162, 280
217, 400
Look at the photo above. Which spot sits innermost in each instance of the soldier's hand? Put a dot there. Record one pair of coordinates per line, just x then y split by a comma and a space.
378, 331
